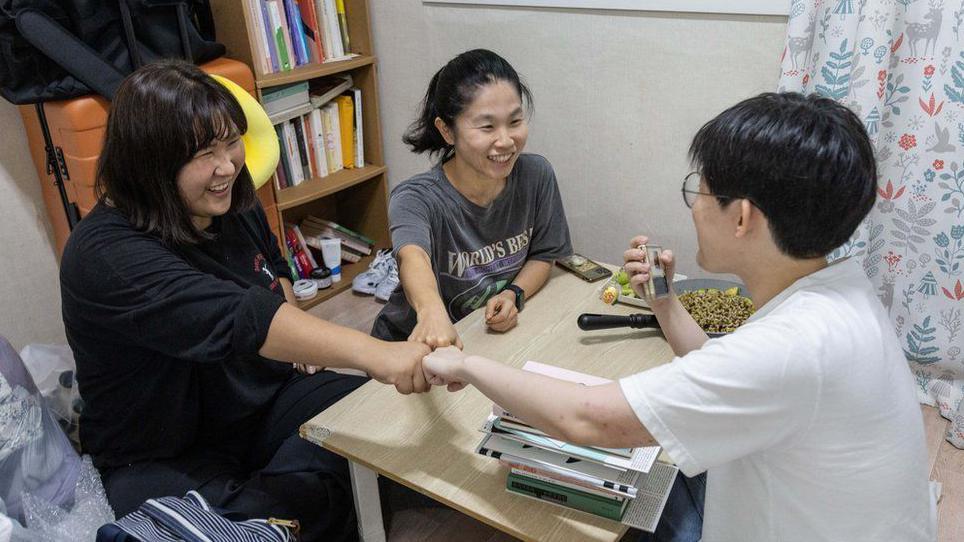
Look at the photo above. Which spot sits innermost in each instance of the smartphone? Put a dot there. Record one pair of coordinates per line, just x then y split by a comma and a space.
584, 268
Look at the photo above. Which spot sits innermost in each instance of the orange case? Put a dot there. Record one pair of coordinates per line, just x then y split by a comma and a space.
77, 128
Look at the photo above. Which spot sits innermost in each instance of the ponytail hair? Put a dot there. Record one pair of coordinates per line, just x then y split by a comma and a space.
450, 92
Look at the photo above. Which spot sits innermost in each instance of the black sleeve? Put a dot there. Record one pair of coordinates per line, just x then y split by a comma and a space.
127, 285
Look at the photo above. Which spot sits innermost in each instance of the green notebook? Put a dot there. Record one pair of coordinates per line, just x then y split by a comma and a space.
564, 496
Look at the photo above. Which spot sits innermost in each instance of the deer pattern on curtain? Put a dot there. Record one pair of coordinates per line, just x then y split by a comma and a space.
899, 65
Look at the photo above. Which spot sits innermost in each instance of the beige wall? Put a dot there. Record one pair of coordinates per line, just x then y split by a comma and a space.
29, 289
618, 96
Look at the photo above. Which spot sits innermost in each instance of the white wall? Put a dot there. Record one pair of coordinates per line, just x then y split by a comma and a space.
618, 96
29, 286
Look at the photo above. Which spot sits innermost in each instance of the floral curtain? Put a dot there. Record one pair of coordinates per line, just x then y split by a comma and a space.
899, 65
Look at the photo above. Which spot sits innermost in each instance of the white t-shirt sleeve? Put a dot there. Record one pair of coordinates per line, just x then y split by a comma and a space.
743, 393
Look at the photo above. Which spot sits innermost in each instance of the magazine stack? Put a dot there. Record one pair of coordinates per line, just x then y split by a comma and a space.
629, 485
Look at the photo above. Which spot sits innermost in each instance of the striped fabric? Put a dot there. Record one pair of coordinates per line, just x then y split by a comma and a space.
172, 519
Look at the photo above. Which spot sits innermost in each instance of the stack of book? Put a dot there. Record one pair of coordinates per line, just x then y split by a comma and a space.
292, 33
622, 484
319, 128
354, 245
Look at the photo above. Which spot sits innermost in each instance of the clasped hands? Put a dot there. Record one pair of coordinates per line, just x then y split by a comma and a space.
435, 332
446, 365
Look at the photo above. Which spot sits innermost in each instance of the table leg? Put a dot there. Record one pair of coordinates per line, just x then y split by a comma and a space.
368, 506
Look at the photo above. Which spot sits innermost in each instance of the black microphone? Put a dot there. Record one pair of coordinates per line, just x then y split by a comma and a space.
592, 322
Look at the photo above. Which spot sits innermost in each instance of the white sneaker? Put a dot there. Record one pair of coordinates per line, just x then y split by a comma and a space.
367, 281
389, 284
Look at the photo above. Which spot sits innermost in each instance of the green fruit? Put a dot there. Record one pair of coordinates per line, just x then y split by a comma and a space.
627, 290
622, 278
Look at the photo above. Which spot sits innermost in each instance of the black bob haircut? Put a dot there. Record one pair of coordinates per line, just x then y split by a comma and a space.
451, 90
161, 116
805, 161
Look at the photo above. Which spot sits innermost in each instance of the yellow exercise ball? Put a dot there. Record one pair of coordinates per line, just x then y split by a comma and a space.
260, 141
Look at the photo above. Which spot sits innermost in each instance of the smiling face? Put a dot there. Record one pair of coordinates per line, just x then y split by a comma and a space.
205, 182
490, 133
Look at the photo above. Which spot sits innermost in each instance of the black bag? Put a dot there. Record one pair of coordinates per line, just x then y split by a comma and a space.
59, 49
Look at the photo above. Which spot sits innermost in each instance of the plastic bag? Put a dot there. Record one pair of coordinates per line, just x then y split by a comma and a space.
88, 512
52, 368
44, 485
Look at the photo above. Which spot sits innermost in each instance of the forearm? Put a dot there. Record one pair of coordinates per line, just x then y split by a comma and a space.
297, 337
418, 280
533, 276
680, 329
584, 415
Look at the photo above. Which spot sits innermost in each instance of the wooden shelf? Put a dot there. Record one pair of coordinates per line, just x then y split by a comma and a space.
311, 71
356, 198
348, 272
319, 187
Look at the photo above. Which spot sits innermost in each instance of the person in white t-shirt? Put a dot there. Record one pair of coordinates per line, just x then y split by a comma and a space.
805, 418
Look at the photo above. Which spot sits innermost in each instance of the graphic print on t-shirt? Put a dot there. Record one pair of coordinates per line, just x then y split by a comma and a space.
485, 271
261, 266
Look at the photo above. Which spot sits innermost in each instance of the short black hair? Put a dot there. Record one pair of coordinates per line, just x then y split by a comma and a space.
161, 116
805, 161
451, 90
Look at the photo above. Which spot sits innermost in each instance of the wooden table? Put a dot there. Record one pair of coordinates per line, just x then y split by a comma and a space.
427, 442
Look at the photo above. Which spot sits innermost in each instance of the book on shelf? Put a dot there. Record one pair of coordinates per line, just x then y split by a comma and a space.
333, 136
343, 24
295, 165
330, 16
327, 89
309, 19
346, 120
338, 227
289, 50
354, 245
318, 141
283, 173
359, 133
301, 142
261, 48
328, 233
292, 33
280, 59
286, 102
318, 137
296, 30
350, 255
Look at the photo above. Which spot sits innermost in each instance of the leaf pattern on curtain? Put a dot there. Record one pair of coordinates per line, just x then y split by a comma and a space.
899, 65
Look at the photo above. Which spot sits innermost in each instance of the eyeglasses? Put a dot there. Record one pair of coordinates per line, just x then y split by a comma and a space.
691, 189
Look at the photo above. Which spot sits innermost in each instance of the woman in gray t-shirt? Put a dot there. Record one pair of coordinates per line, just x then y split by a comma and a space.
482, 227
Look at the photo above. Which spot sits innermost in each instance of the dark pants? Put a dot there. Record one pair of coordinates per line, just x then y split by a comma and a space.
682, 519
278, 475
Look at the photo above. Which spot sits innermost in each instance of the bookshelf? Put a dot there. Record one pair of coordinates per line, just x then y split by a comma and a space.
356, 198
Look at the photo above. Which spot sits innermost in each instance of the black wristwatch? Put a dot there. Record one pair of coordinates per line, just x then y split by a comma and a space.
520, 296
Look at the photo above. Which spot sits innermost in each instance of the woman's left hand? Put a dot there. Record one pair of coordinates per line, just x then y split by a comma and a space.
500, 312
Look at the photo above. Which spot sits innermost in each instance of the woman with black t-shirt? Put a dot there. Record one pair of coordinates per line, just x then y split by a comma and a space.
174, 302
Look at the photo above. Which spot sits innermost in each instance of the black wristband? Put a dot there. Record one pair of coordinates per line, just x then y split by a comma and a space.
520, 296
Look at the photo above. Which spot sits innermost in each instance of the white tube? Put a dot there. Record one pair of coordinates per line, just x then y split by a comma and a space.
331, 252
